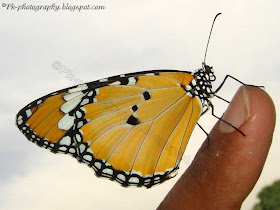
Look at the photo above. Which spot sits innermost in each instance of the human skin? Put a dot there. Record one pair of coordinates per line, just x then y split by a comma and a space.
225, 171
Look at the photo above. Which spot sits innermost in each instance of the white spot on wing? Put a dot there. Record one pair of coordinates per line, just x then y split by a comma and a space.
90, 93
82, 148
134, 180
85, 101
157, 178
70, 96
28, 113
63, 149
80, 124
131, 81
89, 150
87, 157
72, 150
70, 105
78, 138
108, 171
66, 122
121, 177
78, 88
19, 120
115, 83
65, 141
159, 173
188, 87
103, 80
78, 114
193, 82
97, 165
150, 74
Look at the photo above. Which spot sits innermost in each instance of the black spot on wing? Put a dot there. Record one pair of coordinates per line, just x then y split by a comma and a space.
134, 108
132, 120
124, 81
146, 95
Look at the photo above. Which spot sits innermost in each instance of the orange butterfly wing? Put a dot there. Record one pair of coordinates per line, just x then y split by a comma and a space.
130, 128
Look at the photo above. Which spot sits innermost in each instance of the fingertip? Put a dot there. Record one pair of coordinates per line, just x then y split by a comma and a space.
263, 115
252, 111
259, 130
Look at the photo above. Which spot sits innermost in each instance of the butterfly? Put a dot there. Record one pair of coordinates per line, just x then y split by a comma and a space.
131, 128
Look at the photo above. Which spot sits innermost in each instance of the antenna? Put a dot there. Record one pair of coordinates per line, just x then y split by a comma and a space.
210, 35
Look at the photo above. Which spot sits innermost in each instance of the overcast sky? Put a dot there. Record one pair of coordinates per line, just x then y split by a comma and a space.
125, 37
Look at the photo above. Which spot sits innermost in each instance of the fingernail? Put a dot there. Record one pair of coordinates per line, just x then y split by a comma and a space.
237, 112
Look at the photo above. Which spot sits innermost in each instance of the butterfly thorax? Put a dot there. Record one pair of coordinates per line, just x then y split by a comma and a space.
201, 85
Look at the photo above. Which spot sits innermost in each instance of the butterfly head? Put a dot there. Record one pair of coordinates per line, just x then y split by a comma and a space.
209, 72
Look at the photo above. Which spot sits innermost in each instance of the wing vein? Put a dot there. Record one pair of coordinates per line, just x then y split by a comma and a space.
185, 131
171, 134
151, 127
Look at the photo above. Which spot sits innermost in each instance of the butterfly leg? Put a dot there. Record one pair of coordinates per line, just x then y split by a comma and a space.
219, 97
229, 76
208, 139
221, 85
212, 110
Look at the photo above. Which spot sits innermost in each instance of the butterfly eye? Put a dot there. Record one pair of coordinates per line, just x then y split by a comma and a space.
208, 69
